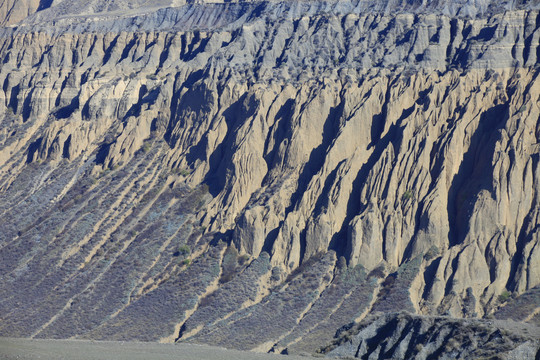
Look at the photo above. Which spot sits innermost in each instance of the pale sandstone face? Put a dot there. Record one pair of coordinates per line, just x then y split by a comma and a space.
13, 11
405, 144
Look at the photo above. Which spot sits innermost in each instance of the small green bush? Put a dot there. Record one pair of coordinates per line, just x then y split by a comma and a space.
407, 195
504, 297
146, 147
184, 250
184, 172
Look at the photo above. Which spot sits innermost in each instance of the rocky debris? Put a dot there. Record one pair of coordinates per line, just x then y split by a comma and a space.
307, 163
406, 336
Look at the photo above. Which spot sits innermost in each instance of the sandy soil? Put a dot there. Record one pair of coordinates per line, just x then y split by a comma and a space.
26, 349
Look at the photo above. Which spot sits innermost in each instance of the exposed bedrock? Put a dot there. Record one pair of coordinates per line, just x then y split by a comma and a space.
405, 336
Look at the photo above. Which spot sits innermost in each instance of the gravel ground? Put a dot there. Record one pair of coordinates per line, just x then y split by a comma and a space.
26, 349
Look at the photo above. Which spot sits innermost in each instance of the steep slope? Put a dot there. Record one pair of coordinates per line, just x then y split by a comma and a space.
280, 169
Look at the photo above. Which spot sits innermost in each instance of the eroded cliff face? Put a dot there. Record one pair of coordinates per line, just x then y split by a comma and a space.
278, 169
13, 11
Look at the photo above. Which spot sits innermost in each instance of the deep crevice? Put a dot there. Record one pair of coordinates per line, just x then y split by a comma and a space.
475, 172
317, 157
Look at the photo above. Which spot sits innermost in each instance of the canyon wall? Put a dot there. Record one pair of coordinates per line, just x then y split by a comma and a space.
272, 170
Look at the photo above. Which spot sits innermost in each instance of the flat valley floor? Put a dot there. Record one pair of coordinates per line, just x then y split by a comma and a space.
26, 349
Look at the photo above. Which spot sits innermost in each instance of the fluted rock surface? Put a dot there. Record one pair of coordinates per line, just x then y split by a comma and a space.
13, 11
278, 168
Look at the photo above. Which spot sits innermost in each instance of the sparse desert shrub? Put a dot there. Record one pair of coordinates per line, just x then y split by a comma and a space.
183, 172
378, 272
243, 259
183, 250
504, 297
407, 195
186, 262
146, 147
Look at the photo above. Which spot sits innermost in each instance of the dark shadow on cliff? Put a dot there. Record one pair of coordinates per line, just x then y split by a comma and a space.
44, 4
475, 172
178, 103
339, 241
318, 155
316, 161
222, 158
